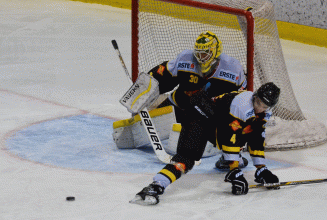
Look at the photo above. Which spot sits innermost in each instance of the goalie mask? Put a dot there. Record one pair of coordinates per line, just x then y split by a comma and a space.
207, 49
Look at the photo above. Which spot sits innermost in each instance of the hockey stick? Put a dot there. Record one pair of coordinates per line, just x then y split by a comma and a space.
146, 120
289, 183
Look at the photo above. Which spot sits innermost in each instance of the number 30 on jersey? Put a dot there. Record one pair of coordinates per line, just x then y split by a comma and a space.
194, 79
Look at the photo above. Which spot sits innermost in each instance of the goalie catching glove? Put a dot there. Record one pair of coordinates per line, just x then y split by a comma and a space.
142, 93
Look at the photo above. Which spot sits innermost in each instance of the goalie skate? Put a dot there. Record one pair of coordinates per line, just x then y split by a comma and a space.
149, 195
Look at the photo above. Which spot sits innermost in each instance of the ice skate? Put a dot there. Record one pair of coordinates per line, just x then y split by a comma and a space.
149, 195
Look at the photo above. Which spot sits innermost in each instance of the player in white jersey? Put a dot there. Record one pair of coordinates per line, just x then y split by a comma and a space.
230, 120
192, 70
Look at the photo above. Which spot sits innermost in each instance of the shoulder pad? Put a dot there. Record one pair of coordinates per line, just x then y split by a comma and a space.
184, 61
242, 107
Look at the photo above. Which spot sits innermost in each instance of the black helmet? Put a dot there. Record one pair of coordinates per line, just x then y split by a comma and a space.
268, 93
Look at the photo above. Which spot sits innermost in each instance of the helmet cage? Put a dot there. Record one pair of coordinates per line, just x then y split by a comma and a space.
207, 48
203, 56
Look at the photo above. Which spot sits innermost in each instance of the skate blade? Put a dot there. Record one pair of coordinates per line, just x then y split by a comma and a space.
149, 200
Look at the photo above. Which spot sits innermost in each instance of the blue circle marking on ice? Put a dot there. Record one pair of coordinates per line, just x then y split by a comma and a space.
85, 142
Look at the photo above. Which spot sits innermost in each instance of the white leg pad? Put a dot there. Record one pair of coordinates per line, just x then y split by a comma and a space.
130, 133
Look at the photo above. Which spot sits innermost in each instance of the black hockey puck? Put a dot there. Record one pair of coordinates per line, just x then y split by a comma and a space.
70, 198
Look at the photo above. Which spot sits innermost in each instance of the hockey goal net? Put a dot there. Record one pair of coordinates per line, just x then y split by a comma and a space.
247, 28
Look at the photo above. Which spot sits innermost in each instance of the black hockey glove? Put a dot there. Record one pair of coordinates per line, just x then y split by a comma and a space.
239, 184
202, 103
265, 176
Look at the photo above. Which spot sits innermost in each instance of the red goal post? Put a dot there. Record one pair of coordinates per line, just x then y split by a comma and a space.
161, 29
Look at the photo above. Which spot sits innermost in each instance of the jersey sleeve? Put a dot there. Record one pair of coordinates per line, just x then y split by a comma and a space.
256, 138
167, 73
229, 76
167, 81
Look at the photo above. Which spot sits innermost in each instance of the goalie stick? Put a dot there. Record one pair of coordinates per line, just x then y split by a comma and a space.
289, 183
147, 121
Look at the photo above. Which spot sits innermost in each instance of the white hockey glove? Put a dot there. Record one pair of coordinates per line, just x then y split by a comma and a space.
142, 93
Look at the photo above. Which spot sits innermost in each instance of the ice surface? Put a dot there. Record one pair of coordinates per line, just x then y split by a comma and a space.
60, 85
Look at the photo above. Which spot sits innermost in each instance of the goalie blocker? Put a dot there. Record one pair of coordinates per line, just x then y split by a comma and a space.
144, 92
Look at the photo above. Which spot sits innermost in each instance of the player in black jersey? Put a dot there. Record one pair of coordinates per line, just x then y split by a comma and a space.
230, 121
191, 70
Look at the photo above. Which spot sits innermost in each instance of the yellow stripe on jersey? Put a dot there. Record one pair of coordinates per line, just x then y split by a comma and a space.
240, 118
169, 174
225, 80
231, 149
256, 152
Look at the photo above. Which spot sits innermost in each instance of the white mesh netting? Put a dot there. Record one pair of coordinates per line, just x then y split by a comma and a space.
165, 29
